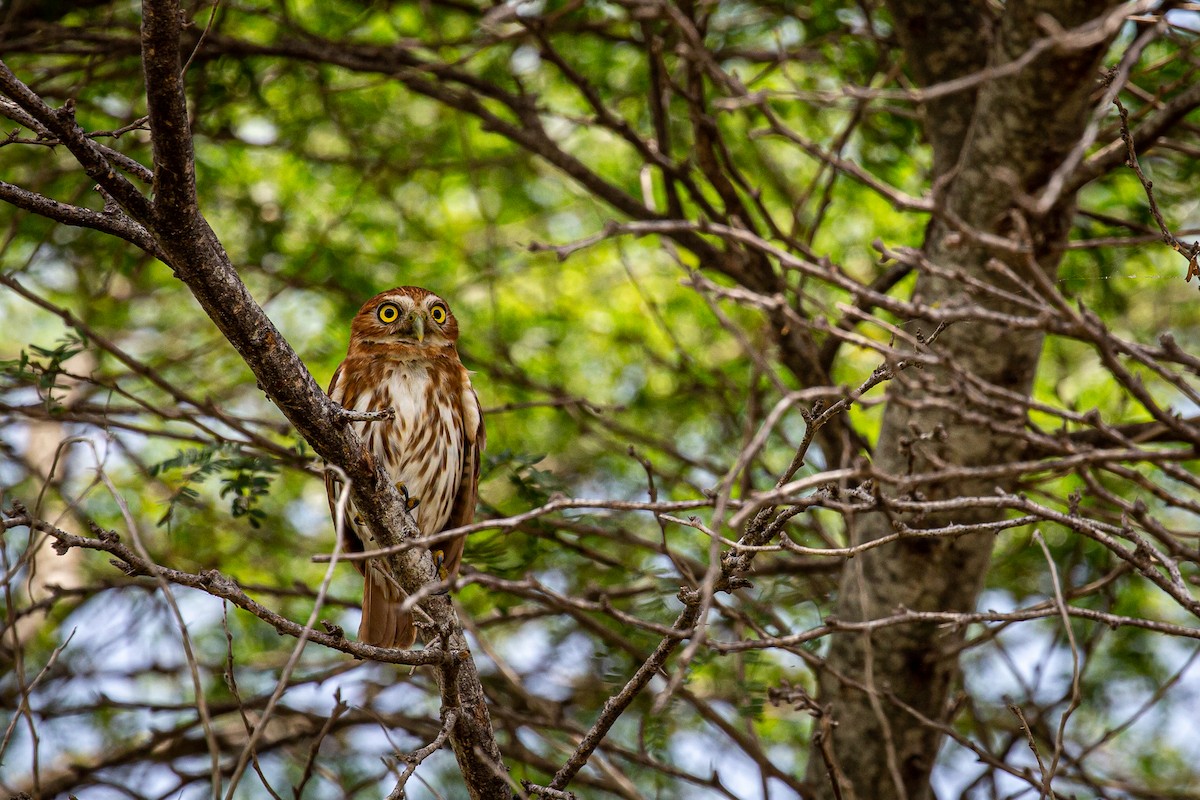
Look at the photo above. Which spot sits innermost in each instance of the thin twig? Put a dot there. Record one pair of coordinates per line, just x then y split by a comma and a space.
368, 416
414, 759
616, 705
339, 708
1189, 251
1076, 691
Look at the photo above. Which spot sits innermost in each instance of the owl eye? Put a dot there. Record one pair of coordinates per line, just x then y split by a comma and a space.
438, 313
388, 312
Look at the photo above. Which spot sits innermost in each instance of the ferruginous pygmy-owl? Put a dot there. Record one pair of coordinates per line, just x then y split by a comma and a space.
402, 356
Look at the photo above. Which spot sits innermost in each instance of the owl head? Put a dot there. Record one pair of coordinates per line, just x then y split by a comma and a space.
406, 315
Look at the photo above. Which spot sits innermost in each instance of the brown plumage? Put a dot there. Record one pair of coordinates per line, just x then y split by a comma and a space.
402, 355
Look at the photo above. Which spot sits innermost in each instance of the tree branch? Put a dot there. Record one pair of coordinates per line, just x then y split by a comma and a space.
115, 223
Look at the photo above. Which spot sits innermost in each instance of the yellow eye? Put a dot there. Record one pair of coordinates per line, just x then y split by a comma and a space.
438, 313
388, 312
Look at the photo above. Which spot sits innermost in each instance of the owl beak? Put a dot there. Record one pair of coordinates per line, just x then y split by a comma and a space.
418, 327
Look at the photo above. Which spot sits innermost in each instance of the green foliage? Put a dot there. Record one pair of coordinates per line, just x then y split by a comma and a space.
245, 479
43, 367
533, 486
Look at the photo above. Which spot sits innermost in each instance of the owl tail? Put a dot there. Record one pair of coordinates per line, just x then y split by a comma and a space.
383, 623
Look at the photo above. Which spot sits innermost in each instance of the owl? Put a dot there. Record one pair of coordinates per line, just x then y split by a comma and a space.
403, 356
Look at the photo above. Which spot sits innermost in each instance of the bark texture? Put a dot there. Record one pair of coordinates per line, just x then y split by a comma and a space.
1023, 123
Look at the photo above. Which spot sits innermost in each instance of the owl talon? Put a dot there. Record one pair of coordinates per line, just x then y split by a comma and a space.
409, 502
439, 564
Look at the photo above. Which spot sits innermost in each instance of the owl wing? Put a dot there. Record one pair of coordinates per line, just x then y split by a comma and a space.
351, 541
462, 512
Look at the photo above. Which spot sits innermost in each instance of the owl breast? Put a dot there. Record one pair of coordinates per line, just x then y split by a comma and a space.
422, 448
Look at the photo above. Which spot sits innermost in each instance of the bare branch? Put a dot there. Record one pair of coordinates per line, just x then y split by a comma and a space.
1189, 251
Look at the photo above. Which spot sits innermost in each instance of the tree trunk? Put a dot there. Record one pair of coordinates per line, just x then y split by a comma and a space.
1021, 127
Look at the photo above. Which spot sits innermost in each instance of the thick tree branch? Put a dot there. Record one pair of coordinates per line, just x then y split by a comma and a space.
175, 205
115, 223
943, 41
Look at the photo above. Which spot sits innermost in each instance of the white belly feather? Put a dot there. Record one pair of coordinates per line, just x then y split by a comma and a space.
428, 458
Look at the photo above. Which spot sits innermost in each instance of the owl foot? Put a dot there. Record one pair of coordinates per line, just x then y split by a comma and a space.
409, 502
439, 564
